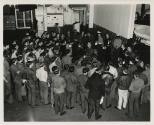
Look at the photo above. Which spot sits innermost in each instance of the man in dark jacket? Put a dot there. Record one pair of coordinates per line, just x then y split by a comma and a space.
96, 86
123, 86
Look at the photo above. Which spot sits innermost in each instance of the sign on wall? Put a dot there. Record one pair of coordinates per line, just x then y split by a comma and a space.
52, 19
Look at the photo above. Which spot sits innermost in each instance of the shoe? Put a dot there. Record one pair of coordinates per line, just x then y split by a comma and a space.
83, 112
127, 114
103, 108
123, 108
109, 106
98, 117
136, 116
71, 107
117, 108
46, 103
89, 117
33, 106
62, 113
67, 107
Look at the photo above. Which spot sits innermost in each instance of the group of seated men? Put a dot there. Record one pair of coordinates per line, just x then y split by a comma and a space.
66, 69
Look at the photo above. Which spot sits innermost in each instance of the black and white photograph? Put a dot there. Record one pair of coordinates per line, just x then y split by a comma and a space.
76, 62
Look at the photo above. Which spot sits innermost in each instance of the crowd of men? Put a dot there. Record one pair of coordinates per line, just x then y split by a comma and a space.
66, 69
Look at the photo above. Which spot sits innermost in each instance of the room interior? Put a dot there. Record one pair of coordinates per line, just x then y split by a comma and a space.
128, 21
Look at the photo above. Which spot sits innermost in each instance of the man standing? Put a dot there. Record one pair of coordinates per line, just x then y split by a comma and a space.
58, 85
96, 86
71, 86
83, 91
136, 87
13, 72
29, 79
123, 86
42, 75
18, 79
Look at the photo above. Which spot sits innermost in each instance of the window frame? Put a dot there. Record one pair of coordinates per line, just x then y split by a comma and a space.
24, 19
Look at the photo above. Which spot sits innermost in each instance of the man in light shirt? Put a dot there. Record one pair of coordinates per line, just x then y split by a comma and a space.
113, 71
136, 87
42, 75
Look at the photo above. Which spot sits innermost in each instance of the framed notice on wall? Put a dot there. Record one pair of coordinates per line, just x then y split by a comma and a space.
55, 18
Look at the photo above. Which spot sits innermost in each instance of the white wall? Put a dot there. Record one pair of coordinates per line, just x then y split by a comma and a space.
116, 18
69, 16
39, 13
91, 16
46, 20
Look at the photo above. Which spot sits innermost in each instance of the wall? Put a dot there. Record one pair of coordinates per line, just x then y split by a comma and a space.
45, 17
68, 16
116, 18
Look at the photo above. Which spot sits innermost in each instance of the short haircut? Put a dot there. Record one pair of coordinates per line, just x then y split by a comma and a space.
71, 69
136, 73
55, 69
85, 70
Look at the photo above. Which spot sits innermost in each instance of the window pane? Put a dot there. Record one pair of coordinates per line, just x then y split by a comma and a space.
28, 15
19, 15
20, 23
28, 23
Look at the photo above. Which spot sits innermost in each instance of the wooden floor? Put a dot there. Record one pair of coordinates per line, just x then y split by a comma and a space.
23, 112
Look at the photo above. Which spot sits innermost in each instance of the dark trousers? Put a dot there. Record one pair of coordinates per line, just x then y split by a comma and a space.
77, 96
70, 99
59, 102
31, 94
93, 105
133, 108
107, 101
18, 91
84, 101
44, 92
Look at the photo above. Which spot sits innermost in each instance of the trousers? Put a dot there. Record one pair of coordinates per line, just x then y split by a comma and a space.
18, 91
123, 98
31, 94
93, 105
84, 101
59, 102
70, 99
44, 92
133, 108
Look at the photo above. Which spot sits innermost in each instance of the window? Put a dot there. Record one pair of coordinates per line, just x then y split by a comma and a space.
24, 19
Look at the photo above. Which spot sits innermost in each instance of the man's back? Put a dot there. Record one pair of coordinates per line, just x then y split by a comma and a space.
71, 82
96, 86
59, 84
136, 85
82, 81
